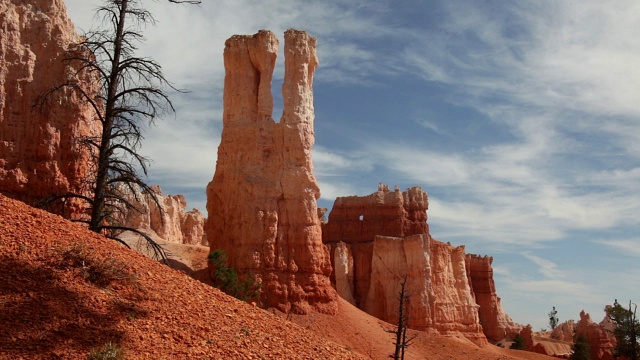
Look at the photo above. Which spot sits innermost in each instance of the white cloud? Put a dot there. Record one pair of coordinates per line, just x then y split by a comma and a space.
331, 163
629, 247
547, 268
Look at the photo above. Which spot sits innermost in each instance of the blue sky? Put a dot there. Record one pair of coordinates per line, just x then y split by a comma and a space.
520, 119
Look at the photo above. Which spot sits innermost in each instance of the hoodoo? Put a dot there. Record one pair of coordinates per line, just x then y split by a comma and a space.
262, 199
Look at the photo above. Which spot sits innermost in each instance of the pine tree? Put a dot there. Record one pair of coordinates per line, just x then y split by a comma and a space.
581, 349
627, 330
553, 319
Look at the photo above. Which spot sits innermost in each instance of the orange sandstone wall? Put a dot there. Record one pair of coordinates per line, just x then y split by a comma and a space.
377, 239
39, 154
440, 296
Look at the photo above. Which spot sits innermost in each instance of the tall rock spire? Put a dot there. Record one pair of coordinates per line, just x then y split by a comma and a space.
262, 199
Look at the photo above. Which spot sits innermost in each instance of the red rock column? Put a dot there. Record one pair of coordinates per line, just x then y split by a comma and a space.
496, 324
262, 199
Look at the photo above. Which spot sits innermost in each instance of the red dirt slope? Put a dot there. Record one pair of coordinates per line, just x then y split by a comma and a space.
65, 290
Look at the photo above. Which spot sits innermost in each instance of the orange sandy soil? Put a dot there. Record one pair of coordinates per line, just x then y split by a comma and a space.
65, 290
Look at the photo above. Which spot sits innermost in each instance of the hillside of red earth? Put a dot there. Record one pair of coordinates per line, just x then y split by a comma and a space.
65, 291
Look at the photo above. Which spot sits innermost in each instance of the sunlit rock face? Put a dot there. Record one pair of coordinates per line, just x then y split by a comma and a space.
378, 239
40, 154
440, 294
600, 336
496, 324
168, 221
357, 220
262, 199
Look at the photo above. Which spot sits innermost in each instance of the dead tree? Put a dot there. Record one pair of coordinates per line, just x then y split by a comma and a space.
130, 94
400, 333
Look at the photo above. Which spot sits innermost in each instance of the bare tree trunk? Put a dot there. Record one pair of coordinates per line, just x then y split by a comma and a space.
107, 125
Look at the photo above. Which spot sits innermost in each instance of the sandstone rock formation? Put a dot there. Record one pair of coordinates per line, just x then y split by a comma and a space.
496, 324
600, 336
262, 199
441, 297
343, 271
534, 346
378, 238
39, 152
170, 222
558, 342
565, 331
357, 220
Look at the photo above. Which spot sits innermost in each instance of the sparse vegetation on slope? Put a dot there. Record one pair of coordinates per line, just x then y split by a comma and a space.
226, 279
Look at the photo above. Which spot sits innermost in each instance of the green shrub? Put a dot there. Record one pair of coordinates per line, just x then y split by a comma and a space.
581, 349
108, 351
226, 279
518, 343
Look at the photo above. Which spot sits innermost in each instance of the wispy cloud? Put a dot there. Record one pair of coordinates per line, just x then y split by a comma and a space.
628, 247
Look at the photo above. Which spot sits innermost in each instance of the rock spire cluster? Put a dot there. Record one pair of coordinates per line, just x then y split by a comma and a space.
262, 199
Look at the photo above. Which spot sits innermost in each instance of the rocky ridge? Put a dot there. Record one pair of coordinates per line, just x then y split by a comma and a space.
51, 308
600, 336
169, 222
262, 199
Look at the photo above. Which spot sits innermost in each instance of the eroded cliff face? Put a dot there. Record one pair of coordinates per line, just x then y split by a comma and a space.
39, 152
169, 222
496, 324
600, 336
440, 294
262, 199
377, 239
564, 331
357, 220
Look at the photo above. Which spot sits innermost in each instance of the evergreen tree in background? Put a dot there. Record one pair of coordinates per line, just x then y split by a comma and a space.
580, 348
627, 330
553, 319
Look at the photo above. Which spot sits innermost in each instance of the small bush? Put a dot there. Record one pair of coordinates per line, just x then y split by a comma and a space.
226, 279
108, 351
